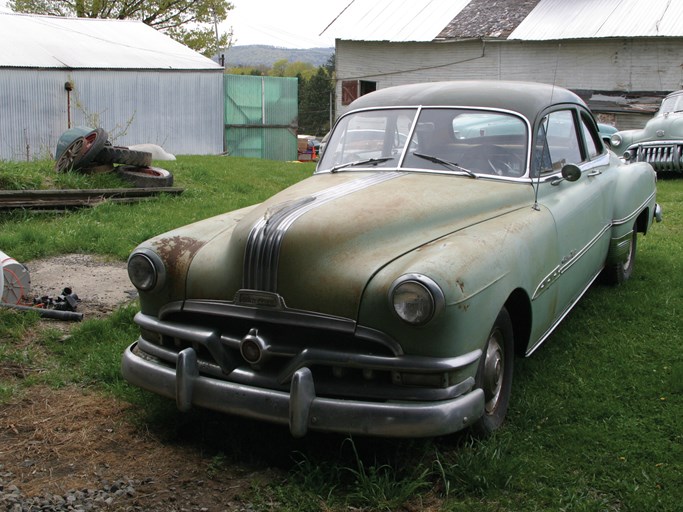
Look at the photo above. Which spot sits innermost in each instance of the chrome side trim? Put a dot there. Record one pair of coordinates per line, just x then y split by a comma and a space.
629, 218
265, 239
566, 263
559, 319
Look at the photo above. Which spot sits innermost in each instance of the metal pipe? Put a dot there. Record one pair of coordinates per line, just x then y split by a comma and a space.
47, 313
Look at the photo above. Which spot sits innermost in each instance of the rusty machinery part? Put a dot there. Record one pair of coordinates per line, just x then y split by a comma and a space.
123, 155
144, 177
82, 150
16, 281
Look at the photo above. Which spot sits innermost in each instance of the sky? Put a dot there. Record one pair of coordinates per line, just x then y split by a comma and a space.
285, 23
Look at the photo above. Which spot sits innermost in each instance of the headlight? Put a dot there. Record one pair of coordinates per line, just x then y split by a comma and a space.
146, 270
416, 299
615, 139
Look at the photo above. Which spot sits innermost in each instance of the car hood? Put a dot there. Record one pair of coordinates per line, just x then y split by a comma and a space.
664, 128
318, 243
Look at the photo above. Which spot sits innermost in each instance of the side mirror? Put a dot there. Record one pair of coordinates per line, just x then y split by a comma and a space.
571, 172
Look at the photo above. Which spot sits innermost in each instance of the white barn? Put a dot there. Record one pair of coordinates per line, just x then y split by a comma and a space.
621, 56
124, 76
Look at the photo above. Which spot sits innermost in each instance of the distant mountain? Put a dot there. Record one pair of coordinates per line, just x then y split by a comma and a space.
264, 55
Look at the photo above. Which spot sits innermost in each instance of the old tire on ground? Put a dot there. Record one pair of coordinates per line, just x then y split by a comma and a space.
617, 273
82, 151
144, 177
96, 168
494, 375
123, 155
66, 160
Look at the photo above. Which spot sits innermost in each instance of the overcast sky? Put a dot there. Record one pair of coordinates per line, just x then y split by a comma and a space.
287, 23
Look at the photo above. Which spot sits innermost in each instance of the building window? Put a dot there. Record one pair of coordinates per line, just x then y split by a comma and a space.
353, 89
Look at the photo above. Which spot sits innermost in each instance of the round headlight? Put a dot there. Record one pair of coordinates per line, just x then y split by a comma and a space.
145, 270
416, 299
615, 139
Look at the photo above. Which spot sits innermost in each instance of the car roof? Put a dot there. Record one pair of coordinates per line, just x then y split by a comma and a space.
526, 98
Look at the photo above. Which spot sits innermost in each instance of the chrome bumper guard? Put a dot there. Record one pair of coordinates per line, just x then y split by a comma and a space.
300, 408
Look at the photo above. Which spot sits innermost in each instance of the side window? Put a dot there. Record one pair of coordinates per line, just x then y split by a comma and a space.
592, 146
556, 142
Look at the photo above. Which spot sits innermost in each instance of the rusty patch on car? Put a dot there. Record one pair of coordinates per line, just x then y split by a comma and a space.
177, 252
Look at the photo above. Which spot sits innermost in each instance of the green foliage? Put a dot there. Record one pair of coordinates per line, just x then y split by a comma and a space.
315, 99
191, 22
285, 68
92, 353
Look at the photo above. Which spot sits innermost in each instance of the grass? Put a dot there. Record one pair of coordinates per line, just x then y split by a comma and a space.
212, 185
596, 419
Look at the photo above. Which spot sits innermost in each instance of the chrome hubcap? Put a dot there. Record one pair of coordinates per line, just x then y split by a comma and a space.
493, 372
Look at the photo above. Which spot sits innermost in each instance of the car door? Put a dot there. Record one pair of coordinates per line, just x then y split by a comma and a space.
579, 208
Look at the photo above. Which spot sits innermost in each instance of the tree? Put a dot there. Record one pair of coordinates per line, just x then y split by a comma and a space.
314, 102
192, 22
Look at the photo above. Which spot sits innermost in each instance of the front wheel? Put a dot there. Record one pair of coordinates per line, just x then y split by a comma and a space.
494, 375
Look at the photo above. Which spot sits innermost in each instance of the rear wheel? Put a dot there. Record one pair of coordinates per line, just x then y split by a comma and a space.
617, 273
494, 375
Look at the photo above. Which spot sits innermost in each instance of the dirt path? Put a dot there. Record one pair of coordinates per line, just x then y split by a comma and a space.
53, 441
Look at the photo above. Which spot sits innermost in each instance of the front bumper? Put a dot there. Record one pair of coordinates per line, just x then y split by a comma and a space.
300, 408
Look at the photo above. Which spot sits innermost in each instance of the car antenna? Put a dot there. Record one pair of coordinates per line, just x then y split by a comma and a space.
546, 120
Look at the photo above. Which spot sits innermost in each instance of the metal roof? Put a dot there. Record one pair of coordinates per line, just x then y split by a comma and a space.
580, 19
531, 20
487, 19
75, 43
394, 20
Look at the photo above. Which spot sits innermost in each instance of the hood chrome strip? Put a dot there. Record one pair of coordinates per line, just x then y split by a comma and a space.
262, 252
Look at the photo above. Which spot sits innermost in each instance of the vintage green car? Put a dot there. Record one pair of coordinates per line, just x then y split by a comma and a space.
660, 142
389, 293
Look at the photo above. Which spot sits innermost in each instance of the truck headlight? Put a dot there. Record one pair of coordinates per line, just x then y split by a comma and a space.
616, 140
146, 270
416, 299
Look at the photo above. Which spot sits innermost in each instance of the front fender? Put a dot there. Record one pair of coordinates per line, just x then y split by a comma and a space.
477, 268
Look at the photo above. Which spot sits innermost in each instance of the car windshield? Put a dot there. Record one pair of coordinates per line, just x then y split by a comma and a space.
455, 140
673, 103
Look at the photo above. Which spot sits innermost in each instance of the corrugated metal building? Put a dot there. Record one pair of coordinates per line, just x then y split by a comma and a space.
133, 81
621, 56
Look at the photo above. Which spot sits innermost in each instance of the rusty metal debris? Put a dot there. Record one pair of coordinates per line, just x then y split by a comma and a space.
15, 288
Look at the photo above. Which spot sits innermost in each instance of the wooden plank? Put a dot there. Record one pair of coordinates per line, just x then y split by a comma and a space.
76, 198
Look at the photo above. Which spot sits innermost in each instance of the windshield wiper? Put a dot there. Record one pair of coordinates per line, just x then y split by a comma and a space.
446, 163
374, 161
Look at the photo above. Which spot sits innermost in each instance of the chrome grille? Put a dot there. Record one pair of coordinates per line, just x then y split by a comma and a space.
662, 156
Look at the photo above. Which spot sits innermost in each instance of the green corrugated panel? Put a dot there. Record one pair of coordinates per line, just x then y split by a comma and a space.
261, 117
